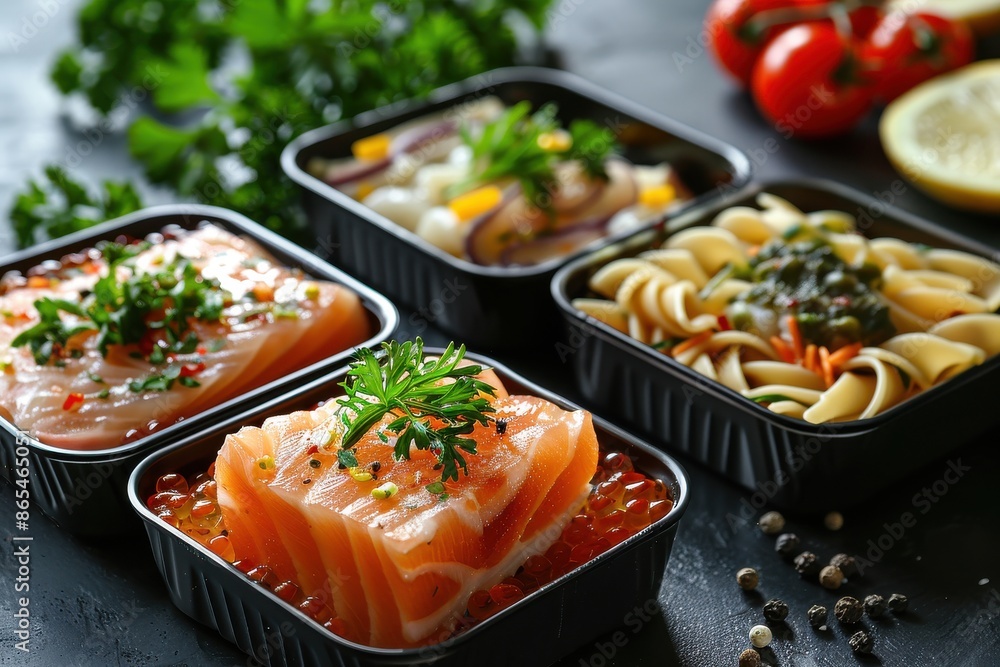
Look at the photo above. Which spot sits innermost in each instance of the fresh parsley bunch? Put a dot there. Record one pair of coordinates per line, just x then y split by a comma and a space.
301, 65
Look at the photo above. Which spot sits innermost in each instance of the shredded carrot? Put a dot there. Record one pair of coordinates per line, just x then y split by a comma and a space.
841, 356
781, 347
811, 360
793, 330
824, 362
753, 250
691, 342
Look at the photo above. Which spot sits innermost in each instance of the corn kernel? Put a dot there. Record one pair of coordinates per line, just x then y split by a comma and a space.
557, 141
360, 474
657, 197
312, 291
477, 202
387, 490
375, 147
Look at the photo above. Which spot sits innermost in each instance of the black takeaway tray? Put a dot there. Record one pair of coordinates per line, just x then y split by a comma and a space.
545, 625
784, 461
84, 491
487, 306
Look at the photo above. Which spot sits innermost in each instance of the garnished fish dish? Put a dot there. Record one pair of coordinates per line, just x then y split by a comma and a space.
419, 503
112, 344
504, 186
802, 314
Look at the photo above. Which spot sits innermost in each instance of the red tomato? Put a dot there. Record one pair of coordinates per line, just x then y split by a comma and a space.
808, 84
907, 49
736, 44
864, 19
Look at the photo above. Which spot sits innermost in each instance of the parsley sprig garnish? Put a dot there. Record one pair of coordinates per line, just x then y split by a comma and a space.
430, 414
510, 147
122, 312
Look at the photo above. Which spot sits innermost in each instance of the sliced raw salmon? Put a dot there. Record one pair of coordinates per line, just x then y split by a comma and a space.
398, 571
276, 321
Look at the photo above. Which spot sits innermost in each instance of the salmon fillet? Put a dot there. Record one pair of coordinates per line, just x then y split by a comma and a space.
275, 321
398, 571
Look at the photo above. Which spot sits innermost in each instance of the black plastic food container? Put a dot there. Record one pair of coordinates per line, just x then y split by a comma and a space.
786, 462
545, 625
488, 307
84, 491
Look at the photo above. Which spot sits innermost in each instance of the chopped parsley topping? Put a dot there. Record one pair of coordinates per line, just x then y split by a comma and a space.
124, 312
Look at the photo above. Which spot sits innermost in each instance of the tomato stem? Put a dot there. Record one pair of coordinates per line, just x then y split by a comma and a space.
838, 11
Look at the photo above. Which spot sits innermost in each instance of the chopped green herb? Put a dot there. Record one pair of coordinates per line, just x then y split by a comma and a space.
94, 377
347, 459
104, 393
120, 311
436, 488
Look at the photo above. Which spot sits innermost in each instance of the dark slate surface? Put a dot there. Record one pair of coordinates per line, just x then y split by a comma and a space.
102, 602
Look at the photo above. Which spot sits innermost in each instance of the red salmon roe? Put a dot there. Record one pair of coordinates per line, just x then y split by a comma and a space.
504, 595
172, 482
622, 503
287, 591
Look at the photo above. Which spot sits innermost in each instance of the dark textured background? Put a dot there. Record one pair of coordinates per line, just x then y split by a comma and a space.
102, 602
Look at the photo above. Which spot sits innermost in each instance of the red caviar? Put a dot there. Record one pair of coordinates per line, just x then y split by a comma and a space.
622, 503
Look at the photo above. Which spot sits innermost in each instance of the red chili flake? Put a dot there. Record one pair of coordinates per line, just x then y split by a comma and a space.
202, 350
724, 323
189, 370
73, 401
312, 450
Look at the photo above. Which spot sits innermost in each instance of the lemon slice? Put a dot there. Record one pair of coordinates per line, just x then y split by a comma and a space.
944, 136
983, 16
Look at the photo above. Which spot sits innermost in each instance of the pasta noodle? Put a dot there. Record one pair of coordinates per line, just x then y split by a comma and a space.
803, 315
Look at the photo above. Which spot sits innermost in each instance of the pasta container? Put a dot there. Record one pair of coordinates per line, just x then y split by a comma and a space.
780, 460
84, 491
541, 628
489, 307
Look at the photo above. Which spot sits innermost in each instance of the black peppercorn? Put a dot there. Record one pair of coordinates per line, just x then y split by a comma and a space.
750, 658
898, 603
807, 564
831, 577
314, 463
771, 523
787, 544
747, 578
501, 426
376, 466
848, 610
861, 642
875, 605
775, 610
845, 564
817, 615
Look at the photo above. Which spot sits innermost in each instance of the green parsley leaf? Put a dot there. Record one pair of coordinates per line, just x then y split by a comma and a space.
402, 382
